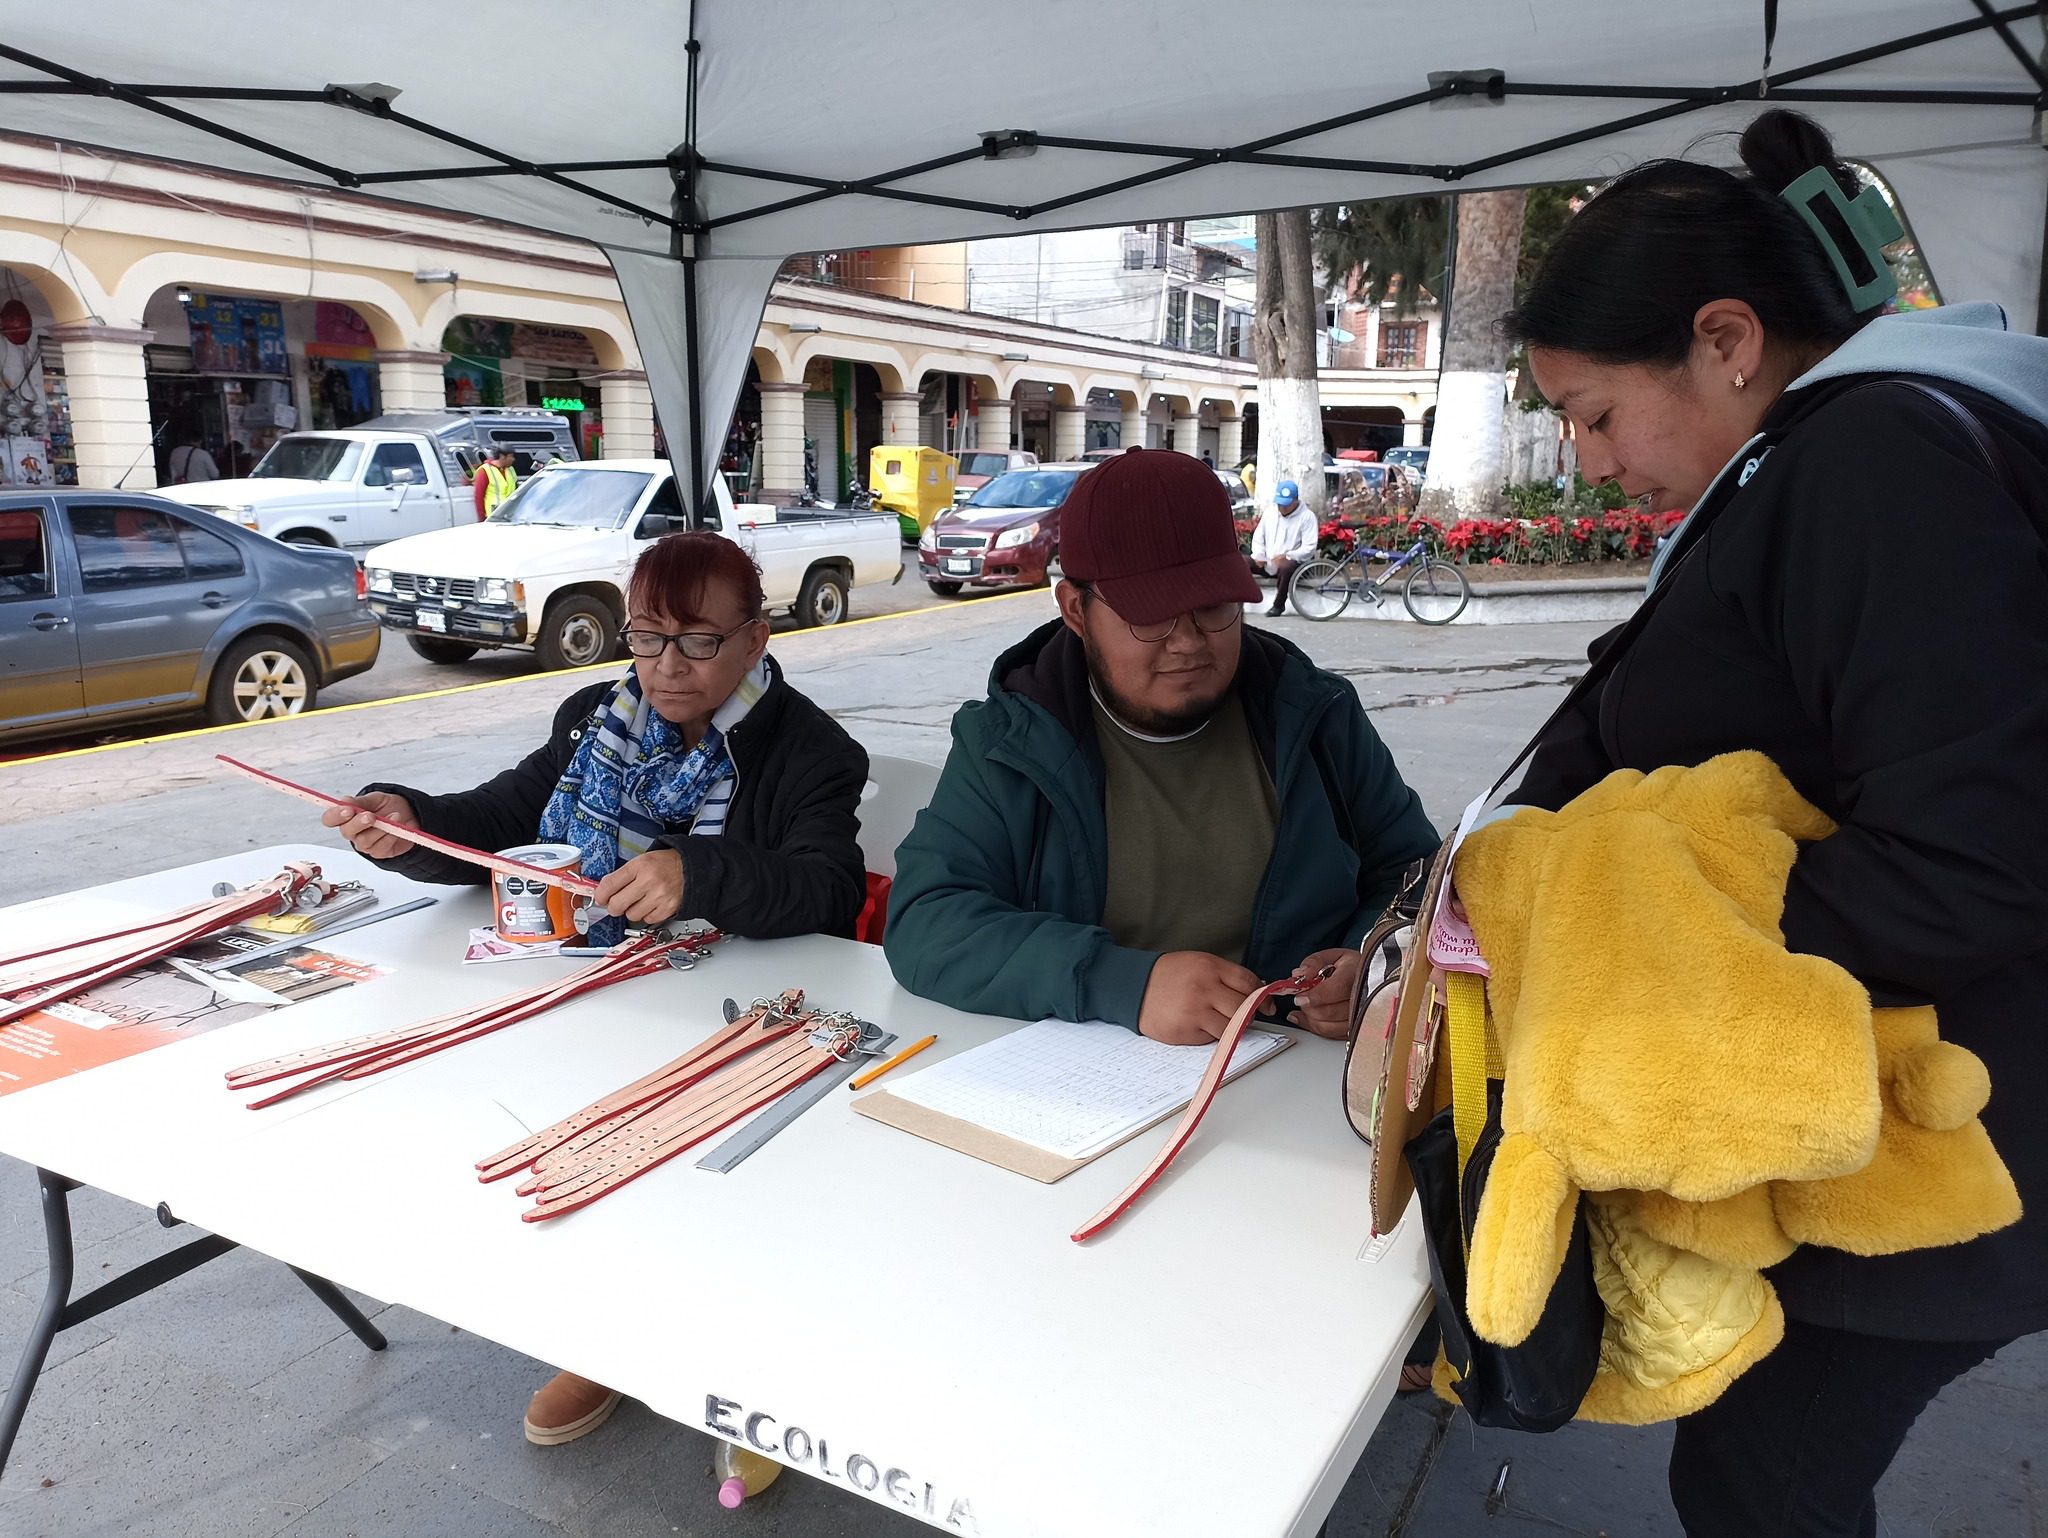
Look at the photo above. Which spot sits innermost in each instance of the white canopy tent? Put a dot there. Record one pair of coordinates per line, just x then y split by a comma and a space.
703, 142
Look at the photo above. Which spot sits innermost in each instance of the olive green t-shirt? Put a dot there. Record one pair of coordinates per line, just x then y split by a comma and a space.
1190, 831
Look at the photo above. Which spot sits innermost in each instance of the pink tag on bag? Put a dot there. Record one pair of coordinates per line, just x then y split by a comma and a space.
1452, 945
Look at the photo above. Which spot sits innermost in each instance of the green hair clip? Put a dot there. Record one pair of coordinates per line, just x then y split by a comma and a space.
1869, 220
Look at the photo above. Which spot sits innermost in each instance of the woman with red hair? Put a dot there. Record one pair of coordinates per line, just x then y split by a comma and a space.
700, 785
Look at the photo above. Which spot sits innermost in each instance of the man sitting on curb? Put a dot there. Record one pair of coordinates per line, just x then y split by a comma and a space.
1283, 538
1155, 809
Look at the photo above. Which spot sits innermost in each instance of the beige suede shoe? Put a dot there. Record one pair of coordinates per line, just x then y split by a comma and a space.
566, 1408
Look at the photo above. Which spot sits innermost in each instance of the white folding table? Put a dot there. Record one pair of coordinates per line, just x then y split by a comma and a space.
875, 1310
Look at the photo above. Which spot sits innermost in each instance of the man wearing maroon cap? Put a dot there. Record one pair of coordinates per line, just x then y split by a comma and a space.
1155, 809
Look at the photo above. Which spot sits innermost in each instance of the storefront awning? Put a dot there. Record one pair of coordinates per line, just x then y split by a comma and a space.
703, 142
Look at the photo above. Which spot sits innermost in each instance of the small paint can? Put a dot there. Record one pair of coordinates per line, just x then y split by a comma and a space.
531, 912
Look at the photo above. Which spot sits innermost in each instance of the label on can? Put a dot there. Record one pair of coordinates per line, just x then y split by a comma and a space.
532, 912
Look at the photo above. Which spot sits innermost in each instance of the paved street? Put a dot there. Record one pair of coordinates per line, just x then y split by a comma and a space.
400, 671
230, 1404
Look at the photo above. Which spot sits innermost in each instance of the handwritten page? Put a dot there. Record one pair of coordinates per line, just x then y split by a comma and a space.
1073, 1088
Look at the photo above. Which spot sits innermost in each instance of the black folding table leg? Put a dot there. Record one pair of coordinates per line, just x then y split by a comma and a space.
344, 1310
60, 1310
56, 1191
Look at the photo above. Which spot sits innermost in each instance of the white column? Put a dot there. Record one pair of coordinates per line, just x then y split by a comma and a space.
628, 415
992, 423
899, 416
1069, 431
1411, 422
413, 381
110, 425
1187, 435
782, 441
1229, 441
1134, 426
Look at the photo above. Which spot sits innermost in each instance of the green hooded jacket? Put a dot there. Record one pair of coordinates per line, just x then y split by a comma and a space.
999, 888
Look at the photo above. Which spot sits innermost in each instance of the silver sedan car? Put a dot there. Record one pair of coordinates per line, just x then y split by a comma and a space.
120, 607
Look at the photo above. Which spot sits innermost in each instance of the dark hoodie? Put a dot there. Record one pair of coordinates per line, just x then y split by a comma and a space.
999, 888
1869, 607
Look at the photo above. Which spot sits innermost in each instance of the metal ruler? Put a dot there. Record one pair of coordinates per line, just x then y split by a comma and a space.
728, 1155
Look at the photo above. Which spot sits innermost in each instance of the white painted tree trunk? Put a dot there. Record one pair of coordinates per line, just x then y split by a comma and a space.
1466, 465
1291, 439
1284, 339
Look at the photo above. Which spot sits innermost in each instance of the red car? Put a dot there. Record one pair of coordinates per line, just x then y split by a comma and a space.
1008, 535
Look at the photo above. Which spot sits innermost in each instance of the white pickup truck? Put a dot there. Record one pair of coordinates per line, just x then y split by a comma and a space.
549, 568
358, 487
352, 488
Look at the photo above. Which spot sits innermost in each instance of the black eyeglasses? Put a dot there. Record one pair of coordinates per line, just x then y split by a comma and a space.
1213, 619
697, 645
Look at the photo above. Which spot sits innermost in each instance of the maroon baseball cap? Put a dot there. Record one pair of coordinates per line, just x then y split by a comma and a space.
1150, 530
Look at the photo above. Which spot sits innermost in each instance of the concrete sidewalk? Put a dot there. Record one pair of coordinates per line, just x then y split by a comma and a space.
230, 1404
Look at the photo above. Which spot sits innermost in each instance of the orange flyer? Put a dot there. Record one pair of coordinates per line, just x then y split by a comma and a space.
156, 1004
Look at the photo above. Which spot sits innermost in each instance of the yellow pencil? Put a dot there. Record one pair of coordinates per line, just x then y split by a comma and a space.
876, 1072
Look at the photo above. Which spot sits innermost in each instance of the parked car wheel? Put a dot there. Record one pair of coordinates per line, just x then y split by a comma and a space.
822, 600
259, 679
945, 589
576, 632
446, 653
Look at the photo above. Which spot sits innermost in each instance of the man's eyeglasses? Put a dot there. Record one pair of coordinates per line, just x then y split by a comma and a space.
697, 645
1212, 620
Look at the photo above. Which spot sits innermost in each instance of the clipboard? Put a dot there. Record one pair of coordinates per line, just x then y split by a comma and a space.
1003, 1151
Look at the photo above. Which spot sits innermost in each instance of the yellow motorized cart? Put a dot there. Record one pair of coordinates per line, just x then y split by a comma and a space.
913, 482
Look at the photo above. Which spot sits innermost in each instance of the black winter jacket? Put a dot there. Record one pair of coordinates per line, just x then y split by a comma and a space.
1871, 611
788, 862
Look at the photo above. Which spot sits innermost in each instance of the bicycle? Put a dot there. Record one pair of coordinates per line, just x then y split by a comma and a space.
1435, 592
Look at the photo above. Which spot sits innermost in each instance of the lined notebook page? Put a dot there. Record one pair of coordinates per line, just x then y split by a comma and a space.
1073, 1088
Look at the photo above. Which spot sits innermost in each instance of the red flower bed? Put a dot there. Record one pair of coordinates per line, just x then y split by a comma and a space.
1618, 535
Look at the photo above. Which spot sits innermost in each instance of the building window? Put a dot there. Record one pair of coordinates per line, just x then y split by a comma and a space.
1203, 338
1177, 317
1401, 343
1237, 333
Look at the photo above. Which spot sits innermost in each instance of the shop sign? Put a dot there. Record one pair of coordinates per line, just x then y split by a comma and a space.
234, 335
551, 344
561, 402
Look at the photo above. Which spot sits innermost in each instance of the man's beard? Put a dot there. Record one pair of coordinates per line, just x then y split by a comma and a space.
1142, 718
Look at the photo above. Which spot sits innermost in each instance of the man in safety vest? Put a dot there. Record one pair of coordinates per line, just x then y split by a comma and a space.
494, 481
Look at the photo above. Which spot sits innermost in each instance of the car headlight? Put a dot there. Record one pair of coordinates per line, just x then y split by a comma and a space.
380, 581
929, 539
1023, 534
242, 512
500, 590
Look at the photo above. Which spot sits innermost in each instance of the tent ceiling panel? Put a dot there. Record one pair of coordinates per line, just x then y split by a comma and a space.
840, 94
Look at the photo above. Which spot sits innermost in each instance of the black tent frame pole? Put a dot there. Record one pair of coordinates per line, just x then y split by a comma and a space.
684, 246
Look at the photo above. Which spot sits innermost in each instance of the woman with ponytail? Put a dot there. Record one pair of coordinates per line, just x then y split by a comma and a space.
1860, 592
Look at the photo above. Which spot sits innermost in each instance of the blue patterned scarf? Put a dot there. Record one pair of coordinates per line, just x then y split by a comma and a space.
631, 780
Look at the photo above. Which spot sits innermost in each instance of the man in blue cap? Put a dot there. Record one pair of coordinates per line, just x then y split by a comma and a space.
1284, 537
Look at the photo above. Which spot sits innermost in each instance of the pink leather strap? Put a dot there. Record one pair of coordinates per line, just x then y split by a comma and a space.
498, 863
32, 979
763, 1023
1212, 1080
362, 1056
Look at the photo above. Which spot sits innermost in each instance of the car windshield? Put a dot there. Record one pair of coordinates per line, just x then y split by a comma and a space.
566, 498
1026, 488
984, 464
310, 458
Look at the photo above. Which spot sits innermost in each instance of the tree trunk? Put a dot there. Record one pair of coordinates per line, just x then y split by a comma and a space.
1284, 342
1466, 462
